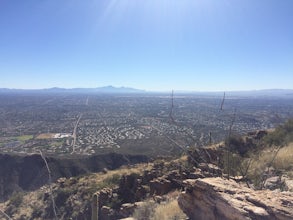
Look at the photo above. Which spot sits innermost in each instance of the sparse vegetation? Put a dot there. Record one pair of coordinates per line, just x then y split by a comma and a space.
169, 210
282, 135
16, 198
145, 211
109, 181
284, 158
166, 210
277, 162
271, 155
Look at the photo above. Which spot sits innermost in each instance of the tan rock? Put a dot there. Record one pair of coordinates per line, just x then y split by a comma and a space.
217, 198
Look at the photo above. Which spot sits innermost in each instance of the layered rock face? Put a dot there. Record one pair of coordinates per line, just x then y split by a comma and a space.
217, 199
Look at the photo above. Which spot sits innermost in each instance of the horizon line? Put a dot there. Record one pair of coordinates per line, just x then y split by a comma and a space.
146, 90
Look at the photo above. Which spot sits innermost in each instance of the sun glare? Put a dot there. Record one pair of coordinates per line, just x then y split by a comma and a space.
155, 11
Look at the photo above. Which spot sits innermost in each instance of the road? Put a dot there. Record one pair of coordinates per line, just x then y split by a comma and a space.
74, 134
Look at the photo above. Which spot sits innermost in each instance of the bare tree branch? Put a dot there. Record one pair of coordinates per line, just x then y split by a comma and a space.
5, 215
229, 144
244, 173
50, 185
269, 165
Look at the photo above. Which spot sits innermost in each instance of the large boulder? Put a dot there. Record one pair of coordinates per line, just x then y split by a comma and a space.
217, 199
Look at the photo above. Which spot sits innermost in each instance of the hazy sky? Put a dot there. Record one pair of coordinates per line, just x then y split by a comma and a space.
195, 45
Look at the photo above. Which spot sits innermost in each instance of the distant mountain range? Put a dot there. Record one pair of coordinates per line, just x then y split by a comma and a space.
127, 90
105, 89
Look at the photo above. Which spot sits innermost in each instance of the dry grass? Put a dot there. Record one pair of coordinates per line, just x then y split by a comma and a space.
124, 170
284, 158
169, 211
30, 203
281, 161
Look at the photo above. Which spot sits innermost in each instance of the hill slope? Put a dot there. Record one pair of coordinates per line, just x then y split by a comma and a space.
19, 173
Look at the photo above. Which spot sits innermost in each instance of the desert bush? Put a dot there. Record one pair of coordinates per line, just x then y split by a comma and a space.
235, 140
282, 135
237, 144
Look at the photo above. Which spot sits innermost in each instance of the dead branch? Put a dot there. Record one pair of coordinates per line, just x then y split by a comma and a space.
244, 173
269, 165
5, 215
229, 144
50, 185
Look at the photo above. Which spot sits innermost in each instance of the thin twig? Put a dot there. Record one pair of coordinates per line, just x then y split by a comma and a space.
244, 174
229, 145
269, 165
50, 185
5, 215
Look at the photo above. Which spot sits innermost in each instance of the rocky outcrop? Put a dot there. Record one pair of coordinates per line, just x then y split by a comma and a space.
160, 186
130, 188
205, 155
217, 199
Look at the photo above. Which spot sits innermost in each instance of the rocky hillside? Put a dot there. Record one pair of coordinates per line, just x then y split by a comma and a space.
150, 191
25, 173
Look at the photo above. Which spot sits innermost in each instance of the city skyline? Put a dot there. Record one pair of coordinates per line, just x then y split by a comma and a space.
150, 45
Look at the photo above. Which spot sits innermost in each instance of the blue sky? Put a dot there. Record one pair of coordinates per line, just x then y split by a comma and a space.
198, 45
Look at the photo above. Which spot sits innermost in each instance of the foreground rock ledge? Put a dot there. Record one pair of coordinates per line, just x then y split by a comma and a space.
217, 198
